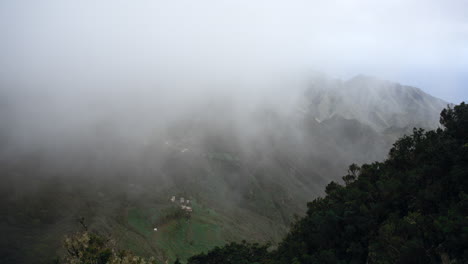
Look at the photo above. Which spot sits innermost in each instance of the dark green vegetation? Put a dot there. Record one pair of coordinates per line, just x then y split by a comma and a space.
411, 208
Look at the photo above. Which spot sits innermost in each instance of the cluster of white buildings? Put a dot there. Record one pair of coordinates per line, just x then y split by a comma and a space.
184, 204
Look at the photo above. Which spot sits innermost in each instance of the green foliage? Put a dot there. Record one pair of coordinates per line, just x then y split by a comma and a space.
233, 253
91, 248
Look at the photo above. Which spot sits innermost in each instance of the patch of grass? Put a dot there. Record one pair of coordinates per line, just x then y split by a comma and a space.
179, 236
184, 237
139, 220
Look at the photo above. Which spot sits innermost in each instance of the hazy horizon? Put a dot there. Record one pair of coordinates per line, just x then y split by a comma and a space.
53, 45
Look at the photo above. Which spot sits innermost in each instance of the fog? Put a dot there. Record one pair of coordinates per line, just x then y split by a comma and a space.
248, 108
71, 64
126, 73
86, 43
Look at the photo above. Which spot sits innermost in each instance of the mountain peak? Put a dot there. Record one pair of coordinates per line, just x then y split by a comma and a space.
378, 103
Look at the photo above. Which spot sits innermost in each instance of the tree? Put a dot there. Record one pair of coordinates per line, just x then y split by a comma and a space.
87, 247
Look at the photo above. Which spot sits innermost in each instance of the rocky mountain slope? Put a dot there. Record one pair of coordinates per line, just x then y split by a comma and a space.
380, 104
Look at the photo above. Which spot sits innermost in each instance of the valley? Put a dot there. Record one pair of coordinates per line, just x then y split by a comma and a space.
245, 175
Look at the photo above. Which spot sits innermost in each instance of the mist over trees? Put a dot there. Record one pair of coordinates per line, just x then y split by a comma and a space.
410, 208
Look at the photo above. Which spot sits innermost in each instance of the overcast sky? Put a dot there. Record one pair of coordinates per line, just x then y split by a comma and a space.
421, 43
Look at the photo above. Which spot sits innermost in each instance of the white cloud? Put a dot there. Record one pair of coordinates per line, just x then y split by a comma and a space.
390, 39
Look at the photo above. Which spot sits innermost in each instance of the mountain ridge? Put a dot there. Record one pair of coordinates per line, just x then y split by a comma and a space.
381, 104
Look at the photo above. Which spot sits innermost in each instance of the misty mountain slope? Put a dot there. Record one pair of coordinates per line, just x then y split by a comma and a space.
379, 104
247, 170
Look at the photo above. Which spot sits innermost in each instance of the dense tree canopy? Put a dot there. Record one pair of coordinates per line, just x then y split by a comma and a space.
235, 253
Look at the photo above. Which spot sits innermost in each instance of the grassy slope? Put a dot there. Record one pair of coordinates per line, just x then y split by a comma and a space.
177, 236
128, 211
